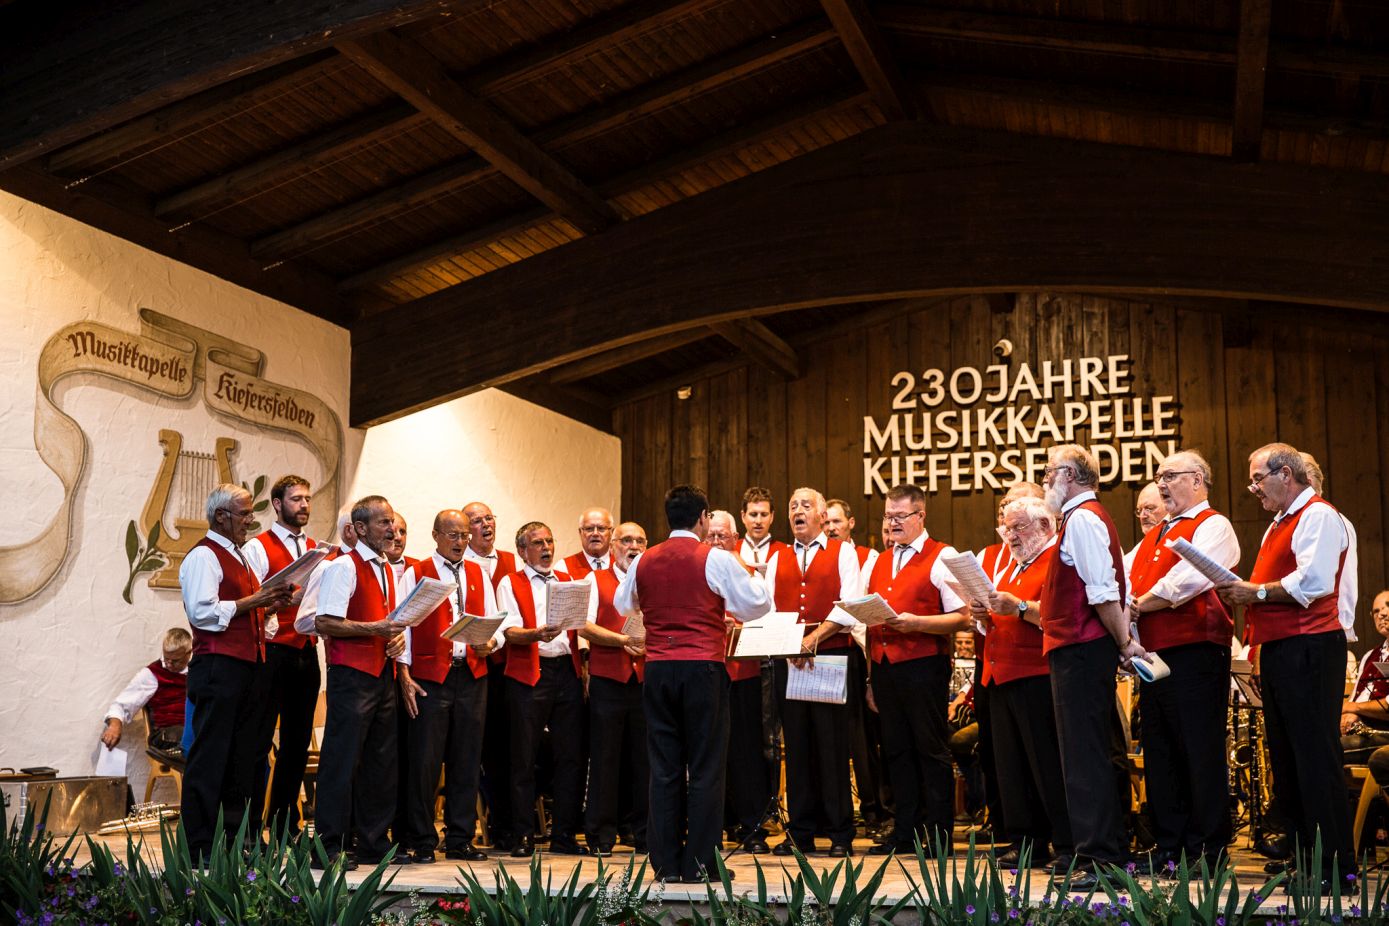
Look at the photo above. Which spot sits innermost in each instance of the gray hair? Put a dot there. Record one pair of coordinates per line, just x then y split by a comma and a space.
1035, 508
344, 519
525, 529
1315, 477
732, 521
1199, 462
819, 498
221, 497
362, 507
1081, 461
1281, 455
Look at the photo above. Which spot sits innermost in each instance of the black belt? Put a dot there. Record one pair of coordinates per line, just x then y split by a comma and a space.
460, 660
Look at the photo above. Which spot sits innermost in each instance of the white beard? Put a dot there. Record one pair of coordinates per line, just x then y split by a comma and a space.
1055, 498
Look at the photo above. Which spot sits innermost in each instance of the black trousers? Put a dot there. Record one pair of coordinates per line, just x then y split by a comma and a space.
818, 798
496, 758
357, 764
988, 762
1185, 761
556, 701
686, 705
1303, 678
865, 743
228, 697
1083, 692
447, 734
749, 779
616, 753
292, 682
912, 698
1031, 786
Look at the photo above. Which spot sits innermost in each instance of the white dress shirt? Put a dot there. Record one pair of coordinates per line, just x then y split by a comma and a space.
308, 602
850, 582
1350, 582
340, 581
1215, 538
445, 570
1320, 536
199, 576
487, 561
752, 552
940, 573
596, 563
540, 590
744, 596
1086, 547
137, 694
259, 560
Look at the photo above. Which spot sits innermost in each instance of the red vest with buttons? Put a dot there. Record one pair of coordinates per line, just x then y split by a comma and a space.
244, 637
279, 556
683, 616
1068, 617
911, 591
773, 548
431, 656
1275, 621
579, 565
1014, 647
611, 662
740, 670
365, 654
506, 565
1203, 619
523, 659
170, 694
812, 595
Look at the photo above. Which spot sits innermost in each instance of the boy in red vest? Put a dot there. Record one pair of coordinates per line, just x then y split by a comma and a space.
163, 685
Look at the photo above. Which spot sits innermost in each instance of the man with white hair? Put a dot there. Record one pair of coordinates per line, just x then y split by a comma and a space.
226, 606
1180, 617
595, 541
1085, 632
1349, 593
1149, 510
346, 538
807, 579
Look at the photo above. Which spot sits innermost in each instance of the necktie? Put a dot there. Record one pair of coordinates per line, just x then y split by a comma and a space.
597, 564
298, 544
903, 551
756, 553
803, 550
454, 568
1162, 531
385, 596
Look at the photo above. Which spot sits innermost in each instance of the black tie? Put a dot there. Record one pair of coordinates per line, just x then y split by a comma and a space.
298, 549
454, 568
385, 595
1162, 531
901, 558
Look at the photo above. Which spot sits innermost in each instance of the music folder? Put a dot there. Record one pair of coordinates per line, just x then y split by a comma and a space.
777, 635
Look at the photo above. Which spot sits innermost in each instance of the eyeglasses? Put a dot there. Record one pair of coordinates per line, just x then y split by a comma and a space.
1164, 478
1053, 470
483, 519
455, 536
1004, 531
900, 518
595, 529
1146, 509
1259, 480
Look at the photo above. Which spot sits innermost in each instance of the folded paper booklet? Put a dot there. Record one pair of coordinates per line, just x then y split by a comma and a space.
1202, 563
825, 681
635, 627
970, 576
297, 572
870, 610
567, 604
423, 599
1151, 668
473, 629
778, 635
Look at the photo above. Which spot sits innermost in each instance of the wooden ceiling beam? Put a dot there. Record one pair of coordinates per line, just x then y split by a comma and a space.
61, 84
419, 78
867, 48
1251, 71
762, 345
620, 357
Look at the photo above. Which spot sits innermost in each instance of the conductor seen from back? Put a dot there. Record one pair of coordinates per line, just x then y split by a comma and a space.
683, 589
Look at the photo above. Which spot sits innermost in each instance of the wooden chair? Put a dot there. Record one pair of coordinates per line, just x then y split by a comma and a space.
320, 719
160, 765
1369, 791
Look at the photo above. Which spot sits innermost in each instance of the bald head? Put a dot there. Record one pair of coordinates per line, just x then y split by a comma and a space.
629, 542
723, 531
1149, 508
450, 534
596, 531
482, 527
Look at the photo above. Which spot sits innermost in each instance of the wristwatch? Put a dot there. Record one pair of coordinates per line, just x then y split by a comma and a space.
1262, 593
1022, 609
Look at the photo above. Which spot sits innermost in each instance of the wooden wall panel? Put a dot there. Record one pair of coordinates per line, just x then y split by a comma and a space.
1242, 375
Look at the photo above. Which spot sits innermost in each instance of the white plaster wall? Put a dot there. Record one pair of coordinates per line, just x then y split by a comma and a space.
528, 463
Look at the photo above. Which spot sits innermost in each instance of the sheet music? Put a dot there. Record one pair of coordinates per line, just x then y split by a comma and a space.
473, 629
971, 576
297, 572
423, 598
635, 627
111, 762
773, 635
1202, 563
870, 610
567, 604
826, 681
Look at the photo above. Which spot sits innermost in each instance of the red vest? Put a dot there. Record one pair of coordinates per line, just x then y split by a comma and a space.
1203, 619
431, 656
773, 548
813, 594
862, 553
279, 556
244, 637
1371, 679
1270, 621
166, 705
910, 591
579, 565
365, 654
1068, 617
506, 565
740, 670
523, 659
684, 618
1013, 648
611, 661
996, 559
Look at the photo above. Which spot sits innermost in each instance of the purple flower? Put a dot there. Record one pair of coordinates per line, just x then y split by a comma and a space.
1351, 877
1257, 898
1131, 867
1170, 866
118, 870
294, 899
250, 876
969, 909
91, 902
1354, 909
71, 891
993, 917
1123, 901
1013, 914
1220, 921
187, 892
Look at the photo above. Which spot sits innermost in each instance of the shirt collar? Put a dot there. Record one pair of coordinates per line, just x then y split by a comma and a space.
604, 561
165, 663
684, 533
285, 533
766, 542
1080, 499
1191, 512
819, 538
533, 573
367, 553
1298, 504
441, 563
223, 540
470, 553
917, 545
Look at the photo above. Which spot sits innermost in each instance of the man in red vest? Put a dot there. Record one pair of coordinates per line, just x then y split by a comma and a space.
357, 765
595, 539
482, 543
226, 607
910, 682
291, 658
443, 688
684, 588
1293, 614
757, 514
163, 685
617, 726
807, 578
1181, 618
396, 554
1085, 631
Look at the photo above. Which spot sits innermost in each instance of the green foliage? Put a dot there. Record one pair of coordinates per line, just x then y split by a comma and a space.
258, 504
142, 557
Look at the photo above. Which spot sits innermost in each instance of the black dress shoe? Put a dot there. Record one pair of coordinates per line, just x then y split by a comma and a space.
786, 847
1010, 859
524, 848
468, 853
1082, 880
889, 848
756, 845
601, 851
566, 847
841, 850
348, 863
1277, 867
422, 857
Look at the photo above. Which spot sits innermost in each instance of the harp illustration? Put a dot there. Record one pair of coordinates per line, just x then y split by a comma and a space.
178, 499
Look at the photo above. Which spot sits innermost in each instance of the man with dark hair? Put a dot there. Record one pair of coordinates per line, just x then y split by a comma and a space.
757, 513
291, 658
683, 588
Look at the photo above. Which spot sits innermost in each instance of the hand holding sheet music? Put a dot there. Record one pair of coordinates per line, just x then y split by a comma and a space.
567, 604
423, 598
870, 610
635, 628
1202, 563
967, 571
825, 681
774, 635
473, 629
297, 572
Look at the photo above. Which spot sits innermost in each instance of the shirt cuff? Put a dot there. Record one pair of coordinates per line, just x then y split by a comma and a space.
1101, 594
1295, 589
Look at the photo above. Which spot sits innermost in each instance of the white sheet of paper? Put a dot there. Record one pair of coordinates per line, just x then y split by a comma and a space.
423, 598
110, 762
566, 606
771, 635
473, 629
635, 627
1202, 563
825, 682
870, 610
297, 572
970, 575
